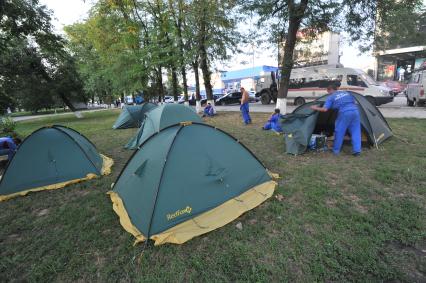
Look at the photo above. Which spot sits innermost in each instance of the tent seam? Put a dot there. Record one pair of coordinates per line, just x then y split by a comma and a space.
81, 148
160, 181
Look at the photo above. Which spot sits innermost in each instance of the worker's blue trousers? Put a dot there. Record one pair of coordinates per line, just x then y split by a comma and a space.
245, 112
348, 120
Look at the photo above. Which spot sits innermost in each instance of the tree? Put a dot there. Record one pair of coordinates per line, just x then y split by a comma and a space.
32, 54
215, 34
285, 18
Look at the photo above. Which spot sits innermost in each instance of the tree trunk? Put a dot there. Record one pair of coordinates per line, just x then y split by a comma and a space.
296, 13
206, 72
160, 88
185, 83
197, 80
174, 84
197, 86
67, 102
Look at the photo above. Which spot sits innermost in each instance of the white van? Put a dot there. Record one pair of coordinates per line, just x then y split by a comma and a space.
415, 90
310, 83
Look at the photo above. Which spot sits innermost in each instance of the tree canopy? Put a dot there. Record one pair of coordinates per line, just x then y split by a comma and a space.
36, 72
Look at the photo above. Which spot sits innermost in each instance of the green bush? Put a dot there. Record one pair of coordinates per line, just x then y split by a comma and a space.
7, 125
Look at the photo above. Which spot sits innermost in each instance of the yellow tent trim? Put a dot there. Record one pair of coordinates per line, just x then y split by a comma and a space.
118, 206
106, 169
106, 165
203, 223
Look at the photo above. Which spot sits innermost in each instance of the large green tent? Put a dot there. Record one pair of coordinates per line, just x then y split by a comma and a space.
51, 158
303, 122
161, 117
132, 116
187, 180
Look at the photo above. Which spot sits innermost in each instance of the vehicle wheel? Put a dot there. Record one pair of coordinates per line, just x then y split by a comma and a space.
372, 100
410, 102
265, 97
299, 101
415, 103
222, 103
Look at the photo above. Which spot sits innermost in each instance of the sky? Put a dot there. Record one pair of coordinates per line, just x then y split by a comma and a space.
71, 11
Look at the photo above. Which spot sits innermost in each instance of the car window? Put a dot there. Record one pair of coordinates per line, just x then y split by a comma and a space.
355, 80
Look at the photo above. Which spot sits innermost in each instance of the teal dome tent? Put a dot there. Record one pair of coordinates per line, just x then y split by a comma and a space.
132, 116
303, 122
186, 180
159, 118
52, 158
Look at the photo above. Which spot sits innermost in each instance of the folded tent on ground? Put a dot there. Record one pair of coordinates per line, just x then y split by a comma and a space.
303, 122
52, 158
159, 118
132, 116
186, 180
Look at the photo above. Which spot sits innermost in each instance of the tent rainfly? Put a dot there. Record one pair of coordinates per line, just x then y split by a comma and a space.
187, 180
159, 118
132, 116
303, 122
52, 158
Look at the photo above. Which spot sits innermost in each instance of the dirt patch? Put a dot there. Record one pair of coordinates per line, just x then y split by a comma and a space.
412, 267
355, 202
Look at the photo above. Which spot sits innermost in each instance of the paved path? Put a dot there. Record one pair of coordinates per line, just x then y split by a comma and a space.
23, 118
395, 109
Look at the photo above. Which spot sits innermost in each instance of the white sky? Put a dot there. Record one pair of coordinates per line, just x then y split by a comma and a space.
71, 11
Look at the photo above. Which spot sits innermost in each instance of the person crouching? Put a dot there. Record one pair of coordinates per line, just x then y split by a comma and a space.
209, 111
274, 122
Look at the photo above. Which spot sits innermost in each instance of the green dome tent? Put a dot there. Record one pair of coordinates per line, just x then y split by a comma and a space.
303, 122
159, 118
52, 158
187, 180
132, 116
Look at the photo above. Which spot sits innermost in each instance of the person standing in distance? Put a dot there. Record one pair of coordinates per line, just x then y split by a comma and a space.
245, 106
347, 118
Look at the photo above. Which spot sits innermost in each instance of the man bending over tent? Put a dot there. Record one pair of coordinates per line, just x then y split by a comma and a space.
8, 146
274, 122
347, 118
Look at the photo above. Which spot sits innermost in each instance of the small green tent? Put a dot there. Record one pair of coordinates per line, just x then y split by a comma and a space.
161, 117
132, 116
303, 122
52, 158
187, 180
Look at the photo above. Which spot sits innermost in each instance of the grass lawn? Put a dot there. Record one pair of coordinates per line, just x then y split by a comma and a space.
340, 219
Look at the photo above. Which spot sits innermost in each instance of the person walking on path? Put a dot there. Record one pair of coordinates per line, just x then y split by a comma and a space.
347, 118
245, 106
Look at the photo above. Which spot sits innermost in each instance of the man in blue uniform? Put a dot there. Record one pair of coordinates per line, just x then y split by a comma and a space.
274, 122
8, 146
245, 106
209, 111
347, 118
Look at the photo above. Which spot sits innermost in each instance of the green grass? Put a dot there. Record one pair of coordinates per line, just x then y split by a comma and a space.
341, 218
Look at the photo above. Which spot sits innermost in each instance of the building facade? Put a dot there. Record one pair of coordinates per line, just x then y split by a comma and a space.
389, 63
322, 50
247, 78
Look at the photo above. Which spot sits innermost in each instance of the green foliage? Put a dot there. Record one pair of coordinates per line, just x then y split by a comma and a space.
126, 46
33, 60
7, 125
402, 27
